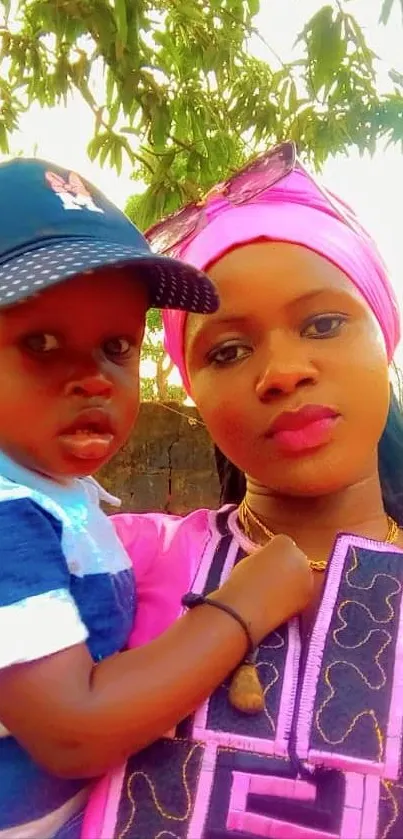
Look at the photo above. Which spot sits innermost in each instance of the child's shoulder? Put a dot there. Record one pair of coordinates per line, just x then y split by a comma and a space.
10, 491
18, 500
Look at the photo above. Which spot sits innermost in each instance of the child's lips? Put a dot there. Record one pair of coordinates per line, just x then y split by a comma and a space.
87, 445
90, 436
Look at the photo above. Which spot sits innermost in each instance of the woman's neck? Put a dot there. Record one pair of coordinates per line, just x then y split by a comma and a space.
314, 523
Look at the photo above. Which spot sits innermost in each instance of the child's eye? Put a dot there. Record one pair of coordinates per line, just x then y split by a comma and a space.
41, 342
324, 326
228, 353
118, 347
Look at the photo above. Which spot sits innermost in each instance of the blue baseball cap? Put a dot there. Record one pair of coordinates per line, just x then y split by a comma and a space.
55, 225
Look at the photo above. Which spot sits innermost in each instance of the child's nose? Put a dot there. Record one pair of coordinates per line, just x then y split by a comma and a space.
95, 384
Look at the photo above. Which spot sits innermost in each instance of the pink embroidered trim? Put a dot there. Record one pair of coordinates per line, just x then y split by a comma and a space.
111, 809
200, 722
291, 667
353, 801
208, 554
238, 534
351, 824
245, 784
321, 629
273, 828
289, 689
95, 811
371, 807
227, 739
316, 645
203, 794
239, 792
393, 745
200, 717
282, 787
229, 561
354, 795
333, 760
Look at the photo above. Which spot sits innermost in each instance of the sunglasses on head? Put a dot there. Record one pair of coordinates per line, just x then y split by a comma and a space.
255, 177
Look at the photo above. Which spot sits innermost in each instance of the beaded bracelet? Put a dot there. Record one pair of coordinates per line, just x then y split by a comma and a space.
245, 691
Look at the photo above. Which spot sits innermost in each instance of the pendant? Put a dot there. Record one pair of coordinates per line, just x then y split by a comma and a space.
246, 692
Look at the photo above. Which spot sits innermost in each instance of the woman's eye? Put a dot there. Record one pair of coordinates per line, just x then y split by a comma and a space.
41, 342
228, 354
323, 326
117, 347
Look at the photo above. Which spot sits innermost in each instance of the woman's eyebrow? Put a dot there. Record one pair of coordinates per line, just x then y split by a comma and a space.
212, 322
225, 318
228, 319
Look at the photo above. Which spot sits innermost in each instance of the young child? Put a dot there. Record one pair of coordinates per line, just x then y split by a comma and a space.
76, 279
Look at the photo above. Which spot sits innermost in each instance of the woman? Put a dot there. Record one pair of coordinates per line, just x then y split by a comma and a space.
291, 377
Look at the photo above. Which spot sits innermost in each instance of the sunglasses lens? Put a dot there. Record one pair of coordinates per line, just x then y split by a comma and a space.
166, 234
262, 173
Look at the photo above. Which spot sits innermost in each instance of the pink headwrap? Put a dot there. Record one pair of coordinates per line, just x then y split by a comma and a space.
293, 211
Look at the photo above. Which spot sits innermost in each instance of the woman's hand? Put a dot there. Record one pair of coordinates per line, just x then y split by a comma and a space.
269, 587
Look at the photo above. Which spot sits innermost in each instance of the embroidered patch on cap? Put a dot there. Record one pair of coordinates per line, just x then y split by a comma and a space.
72, 192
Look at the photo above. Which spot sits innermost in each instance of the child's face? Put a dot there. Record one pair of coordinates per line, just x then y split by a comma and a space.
69, 373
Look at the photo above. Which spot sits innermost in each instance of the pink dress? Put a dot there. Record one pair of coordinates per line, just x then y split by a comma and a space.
323, 760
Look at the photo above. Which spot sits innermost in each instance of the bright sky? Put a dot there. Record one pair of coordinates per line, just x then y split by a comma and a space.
372, 186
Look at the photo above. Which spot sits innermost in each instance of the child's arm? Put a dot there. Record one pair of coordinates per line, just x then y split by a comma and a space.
78, 718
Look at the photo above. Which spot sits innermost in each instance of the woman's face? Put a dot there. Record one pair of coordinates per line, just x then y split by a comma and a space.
291, 374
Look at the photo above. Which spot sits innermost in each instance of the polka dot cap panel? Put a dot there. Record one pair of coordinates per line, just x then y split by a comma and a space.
176, 285
172, 284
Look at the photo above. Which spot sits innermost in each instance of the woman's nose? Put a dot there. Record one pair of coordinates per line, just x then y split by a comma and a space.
286, 369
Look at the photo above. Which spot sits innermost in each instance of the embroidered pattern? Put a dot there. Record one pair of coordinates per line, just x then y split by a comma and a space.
162, 781
391, 811
357, 654
323, 761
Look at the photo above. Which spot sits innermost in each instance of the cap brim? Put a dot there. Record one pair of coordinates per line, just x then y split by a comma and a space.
172, 284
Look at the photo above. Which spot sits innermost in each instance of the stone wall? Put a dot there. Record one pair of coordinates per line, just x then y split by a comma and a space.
168, 463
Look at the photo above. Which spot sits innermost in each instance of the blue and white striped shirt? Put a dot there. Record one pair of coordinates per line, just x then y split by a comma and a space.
65, 579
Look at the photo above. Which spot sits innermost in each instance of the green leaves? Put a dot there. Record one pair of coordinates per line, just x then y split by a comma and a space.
121, 26
154, 384
325, 47
386, 9
175, 92
110, 147
334, 44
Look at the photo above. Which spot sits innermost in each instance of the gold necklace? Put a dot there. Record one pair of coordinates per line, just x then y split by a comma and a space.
245, 692
246, 515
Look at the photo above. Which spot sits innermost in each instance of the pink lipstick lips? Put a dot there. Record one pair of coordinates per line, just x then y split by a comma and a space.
296, 432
